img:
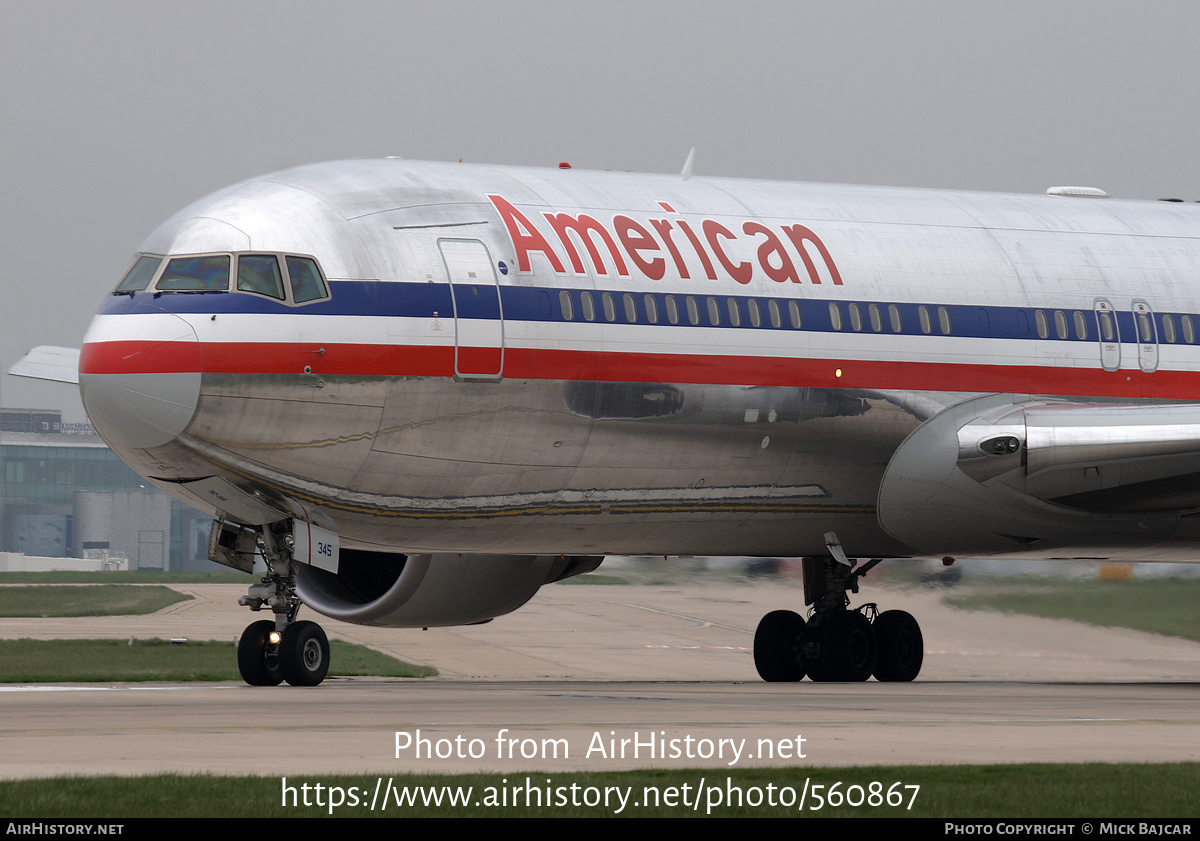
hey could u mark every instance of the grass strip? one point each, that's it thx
(594, 578)
(97, 600)
(1162, 606)
(951, 791)
(115, 661)
(124, 577)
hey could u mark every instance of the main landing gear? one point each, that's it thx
(837, 644)
(271, 652)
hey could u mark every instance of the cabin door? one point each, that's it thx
(1108, 333)
(1146, 335)
(478, 315)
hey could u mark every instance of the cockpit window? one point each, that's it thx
(139, 275)
(307, 283)
(272, 275)
(260, 273)
(195, 274)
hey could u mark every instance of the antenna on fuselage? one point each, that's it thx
(687, 165)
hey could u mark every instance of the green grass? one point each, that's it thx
(125, 577)
(95, 600)
(654, 571)
(954, 791)
(1163, 606)
(107, 661)
(594, 578)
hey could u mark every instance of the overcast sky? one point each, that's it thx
(115, 114)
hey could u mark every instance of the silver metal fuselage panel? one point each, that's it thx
(415, 412)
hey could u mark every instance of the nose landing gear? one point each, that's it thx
(285, 649)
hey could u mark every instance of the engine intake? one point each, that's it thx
(422, 591)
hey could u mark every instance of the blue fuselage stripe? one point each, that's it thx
(423, 300)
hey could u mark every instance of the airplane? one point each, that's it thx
(421, 391)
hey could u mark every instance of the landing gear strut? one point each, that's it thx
(835, 643)
(272, 652)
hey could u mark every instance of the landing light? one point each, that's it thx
(1004, 445)
(275, 637)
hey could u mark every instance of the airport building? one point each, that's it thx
(64, 494)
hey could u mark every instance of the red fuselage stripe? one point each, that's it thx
(130, 357)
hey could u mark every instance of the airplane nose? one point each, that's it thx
(139, 376)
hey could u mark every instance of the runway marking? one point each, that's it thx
(704, 623)
(1048, 655)
(223, 727)
(54, 688)
(701, 647)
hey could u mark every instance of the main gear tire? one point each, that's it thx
(778, 656)
(901, 647)
(847, 648)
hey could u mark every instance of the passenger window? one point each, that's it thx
(773, 309)
(195, 274)
(1043, 327)
(985, 322)
(1107, 332)
(1189, 332)
(587, 305)
(630, 309)
(894, 317)
(1060, 324)
(307, 283)
(564, 303)
(1169, 328)
(876, 319)
(944, 320)
(923, 315)
(692, 310)
(755, 316)
(855, 317)
(794, 312)
(835, 315)
(1145, 327)
(610, 310)
(1081, 331)
(651, 309)
(735, 313)
(714, 312)
(259, 273)
(672, 310)
(139, 275)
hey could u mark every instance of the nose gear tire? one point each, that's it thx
(258, 663)
(304, 654)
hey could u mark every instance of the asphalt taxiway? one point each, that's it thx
(614, 677)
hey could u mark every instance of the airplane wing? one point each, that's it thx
(46, 362)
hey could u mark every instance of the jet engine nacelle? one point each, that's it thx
(422, 591)
(1008, 473)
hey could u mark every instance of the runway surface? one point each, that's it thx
(613, 677)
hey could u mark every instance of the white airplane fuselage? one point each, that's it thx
(517, 361)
